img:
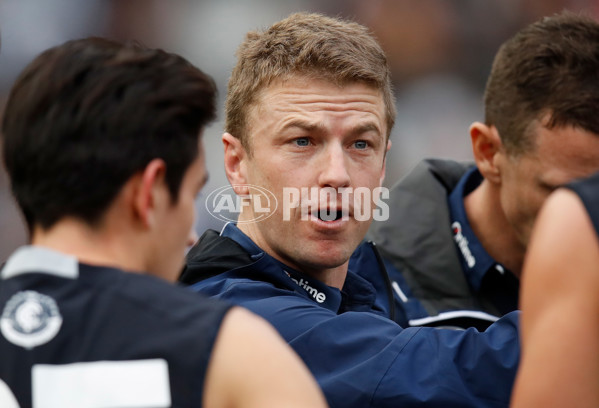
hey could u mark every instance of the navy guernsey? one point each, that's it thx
(73, 334)
(588, 191)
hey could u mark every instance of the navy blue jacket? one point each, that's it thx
(358, 355)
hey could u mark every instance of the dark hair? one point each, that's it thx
(548, 69)
(306, 44)
(85, 116)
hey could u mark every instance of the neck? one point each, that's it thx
(334, 277)
(331, 276)
(491, 227)
(94, 246)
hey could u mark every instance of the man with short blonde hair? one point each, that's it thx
(316, 120)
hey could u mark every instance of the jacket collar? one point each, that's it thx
(476, 261)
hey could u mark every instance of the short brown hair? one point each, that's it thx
(548, 69)
(307, 44)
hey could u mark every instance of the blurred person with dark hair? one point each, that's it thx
(310, 106)
(102, 143)
(457, 233)
(560, 303)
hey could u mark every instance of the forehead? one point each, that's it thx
(299, 94)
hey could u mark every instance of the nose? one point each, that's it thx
(334, 168)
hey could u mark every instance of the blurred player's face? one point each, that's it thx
(307, 133)
(175, 231)
(561, 155)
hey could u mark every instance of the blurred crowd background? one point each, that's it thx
(440, 52)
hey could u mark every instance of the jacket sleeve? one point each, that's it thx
(364, 360)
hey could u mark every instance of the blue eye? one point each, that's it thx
(302, 141)
(361, 144)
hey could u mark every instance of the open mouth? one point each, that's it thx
(329, 215)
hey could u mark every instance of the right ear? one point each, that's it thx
(235, 163)
(486, 148)
(149, 192)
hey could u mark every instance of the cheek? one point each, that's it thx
(369, 178)
(524, 205)
(191, 216)
(186, 219)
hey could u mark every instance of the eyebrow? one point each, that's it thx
(304, 125)
(366, 127)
